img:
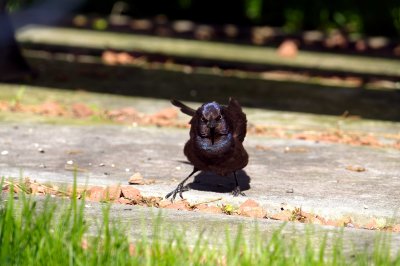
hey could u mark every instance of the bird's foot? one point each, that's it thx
(236, 192)
(179, 189)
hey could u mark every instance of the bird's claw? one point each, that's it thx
(179, 189)
(236, 192)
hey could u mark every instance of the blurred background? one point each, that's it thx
(336, 58)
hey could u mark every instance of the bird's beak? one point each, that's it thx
(212, 133)
(211, 126)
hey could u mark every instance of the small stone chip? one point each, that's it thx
(136, 179)
(4, 152)
(356, 168)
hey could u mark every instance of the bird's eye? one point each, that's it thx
(204, 119)
(218, 117)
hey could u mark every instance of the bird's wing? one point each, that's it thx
(184, 108)
(238, 119)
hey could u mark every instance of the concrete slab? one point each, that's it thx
(297, 173)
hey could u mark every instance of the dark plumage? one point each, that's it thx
(215, 144)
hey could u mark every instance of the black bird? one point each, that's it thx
(215, 144)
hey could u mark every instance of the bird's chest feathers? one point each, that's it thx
(222, 144)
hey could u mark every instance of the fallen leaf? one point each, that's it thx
(295, 150)
(179, 205)
(372, 224)
(262, 148)
(109, 58)
(132, 249)
(396, 228)
(165, 117)
(282, 216)
(84, 244)
(123, 200)
(124, 58)
(51, 108)
(208, 209)
(81, 110)
(228, 209)
(164, 203)
(288, 48)
(332, 223)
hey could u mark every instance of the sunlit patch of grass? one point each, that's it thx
(41, 233)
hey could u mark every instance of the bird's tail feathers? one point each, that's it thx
(184, 108)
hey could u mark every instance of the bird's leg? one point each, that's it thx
(236, 192)
(180, 188)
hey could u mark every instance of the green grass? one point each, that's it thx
(34, 232)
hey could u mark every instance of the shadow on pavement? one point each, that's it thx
(207, 181)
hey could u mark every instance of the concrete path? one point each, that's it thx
(297, 173)
(282, 173)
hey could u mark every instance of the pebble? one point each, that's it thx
(112, 165)
(70, 162)
(4, 152)
(290, 190)
(41, 150)
(102, 164)
(127, 169)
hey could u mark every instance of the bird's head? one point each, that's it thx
(212, 122)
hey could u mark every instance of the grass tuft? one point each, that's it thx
(39, 232)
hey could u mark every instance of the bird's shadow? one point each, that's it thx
(208, 181)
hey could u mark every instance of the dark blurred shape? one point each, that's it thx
(13, 66)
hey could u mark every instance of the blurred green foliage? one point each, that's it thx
(365, 17)
(368, 17)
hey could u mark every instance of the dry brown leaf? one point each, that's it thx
(132, 249)
(282, 216)
(372, 224)
(208, 209)
(288, 48)
(164, 203)
(396, 228)
(179, 205)
(109, 58)
(81, 110)
(123, 200)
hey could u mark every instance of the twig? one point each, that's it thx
(205, 202)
